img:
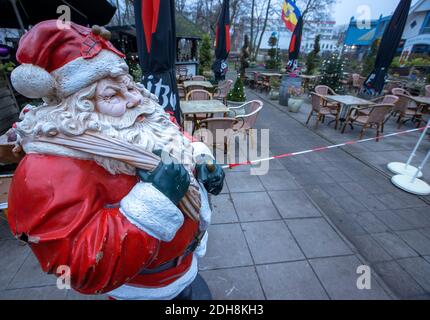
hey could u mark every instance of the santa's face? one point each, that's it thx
(114, 96)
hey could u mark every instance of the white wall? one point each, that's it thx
(413, 32)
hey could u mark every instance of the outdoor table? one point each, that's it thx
(271, 74)
(347, 102)
(205, 84)
(422, 102)
(267, 78)
(195, 107)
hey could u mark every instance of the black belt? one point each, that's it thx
(177, 261)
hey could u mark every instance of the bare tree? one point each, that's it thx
(263, 29)
(252, 26)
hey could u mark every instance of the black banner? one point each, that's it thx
(222, 44)
(387, 50)
(295, 44)
(156, 40)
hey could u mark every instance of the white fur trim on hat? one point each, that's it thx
(80, 73)
(33, 81)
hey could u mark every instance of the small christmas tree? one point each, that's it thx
(237, 94)
(205, 54)
(274, 61)
(332, 72)
(312, 60)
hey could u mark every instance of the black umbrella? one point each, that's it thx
(222, 42)
(295, 44)
(156, 41)
(388, 48)
(20, 14)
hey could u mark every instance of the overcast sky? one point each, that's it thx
(345, 9)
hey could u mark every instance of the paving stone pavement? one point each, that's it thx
(349, 188)
(299, 232)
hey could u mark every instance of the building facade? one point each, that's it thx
(417, 30)
(328, 32)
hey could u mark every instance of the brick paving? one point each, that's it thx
(299, 232)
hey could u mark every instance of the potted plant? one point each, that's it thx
(274, 88)
(295, 100)
(236, 96)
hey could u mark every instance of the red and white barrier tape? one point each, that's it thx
(292, 154)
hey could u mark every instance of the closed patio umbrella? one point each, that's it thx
(222, 42)
(20, 14)
(156, 41)
(387, 50)
(295, 44)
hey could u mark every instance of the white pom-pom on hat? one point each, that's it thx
(33, 81)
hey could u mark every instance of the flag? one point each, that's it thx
(295, 44)
(156, 42)
(290, 14)
(222, 42)
(375, 82)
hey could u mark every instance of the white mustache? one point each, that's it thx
(129, 118)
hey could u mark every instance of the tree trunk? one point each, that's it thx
(262, 30)
(251, 46)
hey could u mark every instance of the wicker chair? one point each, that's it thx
(326, 91)
(198, 78)
(388, 99)
(214, 124)
(195, 87)
(321, 109)
(357, 82)
(198, 94)
(222, 91)
(181, 92)
(258, 82)
(247, 114)
(388, 88)
(397, 91)
(406, 108)
(375, 118)
(347, 81)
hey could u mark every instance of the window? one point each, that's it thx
(426, 25)
(413, 24)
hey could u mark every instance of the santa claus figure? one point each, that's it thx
(109, 187)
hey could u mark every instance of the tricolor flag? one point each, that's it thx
(290, 14)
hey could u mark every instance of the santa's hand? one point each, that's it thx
(171, 179)
(212, 176)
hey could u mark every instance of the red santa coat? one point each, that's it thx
(68, 210)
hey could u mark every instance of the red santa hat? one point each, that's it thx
(59, 61)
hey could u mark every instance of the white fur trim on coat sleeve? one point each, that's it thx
(152, 212)
(201, 152)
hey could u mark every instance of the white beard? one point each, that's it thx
(155, 132)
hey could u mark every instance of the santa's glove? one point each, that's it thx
(211, 176)
(170, 178)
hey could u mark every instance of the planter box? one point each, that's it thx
(234, 103)
(294, 105)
